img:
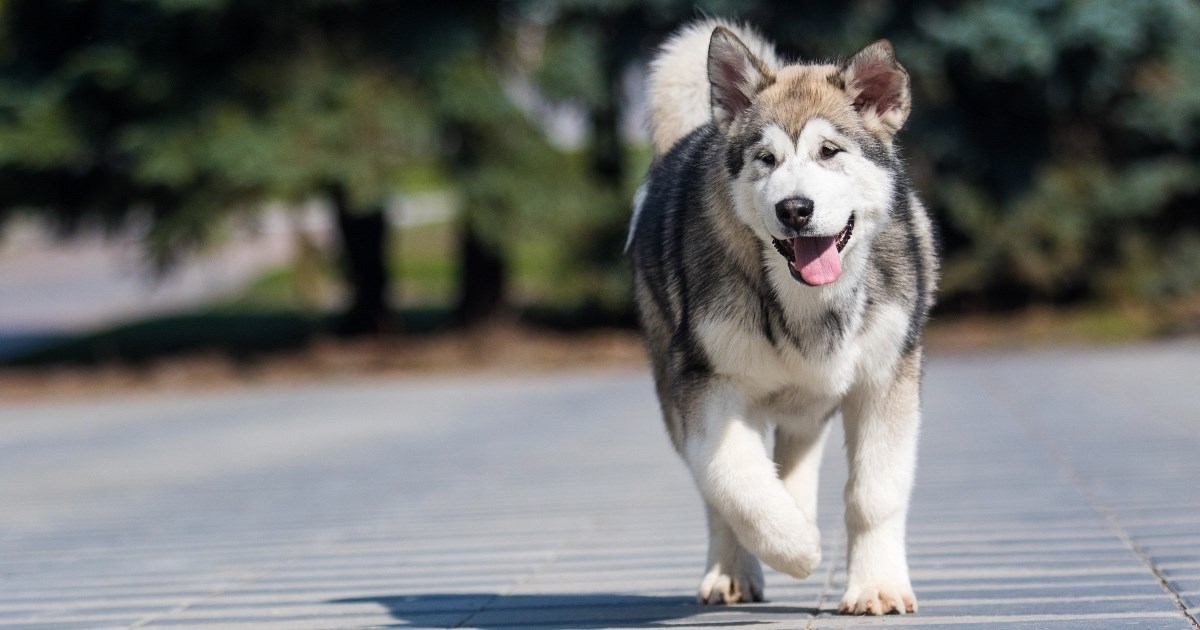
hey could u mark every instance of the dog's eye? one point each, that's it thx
(767, 159)
(828, 151)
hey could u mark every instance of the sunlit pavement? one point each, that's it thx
(1057, 489)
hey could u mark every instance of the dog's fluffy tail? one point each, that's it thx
(679, 90)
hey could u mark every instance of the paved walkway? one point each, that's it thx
(1057, 490)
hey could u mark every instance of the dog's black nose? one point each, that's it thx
(794, 212)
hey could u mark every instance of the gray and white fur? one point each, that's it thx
(784, 270)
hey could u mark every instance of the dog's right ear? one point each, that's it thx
(735, 76)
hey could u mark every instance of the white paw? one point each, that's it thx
(878, 598)
(798, 565)
(796, 555)
(743, 583)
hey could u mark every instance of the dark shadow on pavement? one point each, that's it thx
(244, 335)
(18, 342)
(566, 611)
(237, 335)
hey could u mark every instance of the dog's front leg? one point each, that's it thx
(881, 423)
(727, 454)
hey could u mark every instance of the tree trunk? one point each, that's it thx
(364, 247)
(607, 161)
(482, 278)
(483, 271)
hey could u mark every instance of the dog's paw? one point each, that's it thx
(743, 585)
(798, 565)
(878, 599)
(797, 557)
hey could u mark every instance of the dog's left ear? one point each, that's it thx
(878, 86)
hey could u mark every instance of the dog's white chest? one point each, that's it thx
(760, 368)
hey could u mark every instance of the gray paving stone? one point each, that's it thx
(1041, 589)
(1189, 591)
(1052, 485)
(1050, 605)
(1014, 622)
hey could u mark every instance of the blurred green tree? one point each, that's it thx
(177, 113)
(513, 183)
(1063, 137)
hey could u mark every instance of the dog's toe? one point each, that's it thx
(878, 601)
(724, 588)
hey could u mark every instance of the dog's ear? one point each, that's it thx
(735, 76)
(878, 86)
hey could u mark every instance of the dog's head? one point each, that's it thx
(810, 149)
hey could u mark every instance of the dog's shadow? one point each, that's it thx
(566, 611)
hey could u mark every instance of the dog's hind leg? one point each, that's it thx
(733, 574)
(728, 457)
(798, 452)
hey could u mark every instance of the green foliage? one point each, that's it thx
(183, 111)
(324, 123)
(510, 178)
(37, 131)
(570, 68)
(536, 204)
(1069, 130)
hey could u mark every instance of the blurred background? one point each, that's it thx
(212, 180)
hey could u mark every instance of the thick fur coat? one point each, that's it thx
(784, 270)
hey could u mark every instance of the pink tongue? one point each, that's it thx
(817, 259)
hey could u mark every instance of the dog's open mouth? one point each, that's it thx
(815, 260)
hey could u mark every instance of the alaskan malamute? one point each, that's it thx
(784, 270)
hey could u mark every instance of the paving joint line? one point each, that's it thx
(1110, 516)
(827, 587)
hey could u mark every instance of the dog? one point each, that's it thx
(784, 270)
